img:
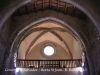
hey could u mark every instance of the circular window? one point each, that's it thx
(48, 50)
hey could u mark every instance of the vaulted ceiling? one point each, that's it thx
(52, 33)
(48, 32)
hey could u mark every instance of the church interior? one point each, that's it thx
(48, 37)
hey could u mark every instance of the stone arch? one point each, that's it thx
(77, 4)
(64, 24)
(16, 46)
(20, 3)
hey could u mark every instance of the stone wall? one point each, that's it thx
(4, 50)
(5, 30)
(2, 53)
(94, 52)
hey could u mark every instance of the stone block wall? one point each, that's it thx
(5, 30)
(94, 52)
(2, 53)
(4, 43)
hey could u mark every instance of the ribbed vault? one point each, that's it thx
(88, 7)
(49, 31)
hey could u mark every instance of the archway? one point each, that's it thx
(2, 21)
(18, 4)
(27, 31)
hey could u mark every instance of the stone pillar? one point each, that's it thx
(2, 53)
(94, 52)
